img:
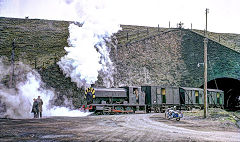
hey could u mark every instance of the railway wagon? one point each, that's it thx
(194, 98)
(159, 98)
(118, 100)
(191, 98)
(215, 98)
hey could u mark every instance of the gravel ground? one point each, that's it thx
(133, 127)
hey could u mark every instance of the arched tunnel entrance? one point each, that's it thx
(231, 88)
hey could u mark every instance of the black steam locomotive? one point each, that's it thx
(145, 99)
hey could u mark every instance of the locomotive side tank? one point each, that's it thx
(110, 95)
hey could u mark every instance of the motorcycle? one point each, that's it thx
(171, 114)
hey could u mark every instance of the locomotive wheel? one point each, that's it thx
(162, 110)
(98, 113)
(189, 108)
(156, 110)
(106, 113)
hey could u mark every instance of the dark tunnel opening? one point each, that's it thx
(231, 88)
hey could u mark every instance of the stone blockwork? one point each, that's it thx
(223, 62)
(171, 58)
(151, 61)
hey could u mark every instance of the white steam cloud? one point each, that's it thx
(17, 102)
(88, 53)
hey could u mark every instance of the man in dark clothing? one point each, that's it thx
(35, 108)
(40, 103)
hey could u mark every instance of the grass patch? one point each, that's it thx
(215, 114)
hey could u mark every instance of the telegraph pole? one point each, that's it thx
(205, 69)
(11, 83)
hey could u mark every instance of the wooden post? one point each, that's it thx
(205, 70)
(158, 27)
(191, 26)
(35, 63)
(127, 36)
(205, 77)
(55, 58)
(11, 82)
(169, 24)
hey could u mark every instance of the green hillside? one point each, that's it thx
(35, 39)
(227, 39)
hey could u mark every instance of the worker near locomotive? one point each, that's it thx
(146, 99)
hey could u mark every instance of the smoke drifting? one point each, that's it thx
(17, 103)
(88, 53)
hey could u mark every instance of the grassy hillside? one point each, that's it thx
(35, 39)
(131, 33)
(227, 39)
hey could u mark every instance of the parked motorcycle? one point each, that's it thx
(171, 113)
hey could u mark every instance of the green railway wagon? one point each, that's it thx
(215, 98)
(194, 98)
(158, 98)
(191, 97)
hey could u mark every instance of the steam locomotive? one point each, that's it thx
(145, 99)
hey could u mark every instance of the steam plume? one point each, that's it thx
(88, 53)
(17, 103)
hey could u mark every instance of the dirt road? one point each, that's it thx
(134, 127)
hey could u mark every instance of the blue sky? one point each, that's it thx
(223, 15)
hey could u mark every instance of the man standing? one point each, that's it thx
(35, 108)
(40, 103)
